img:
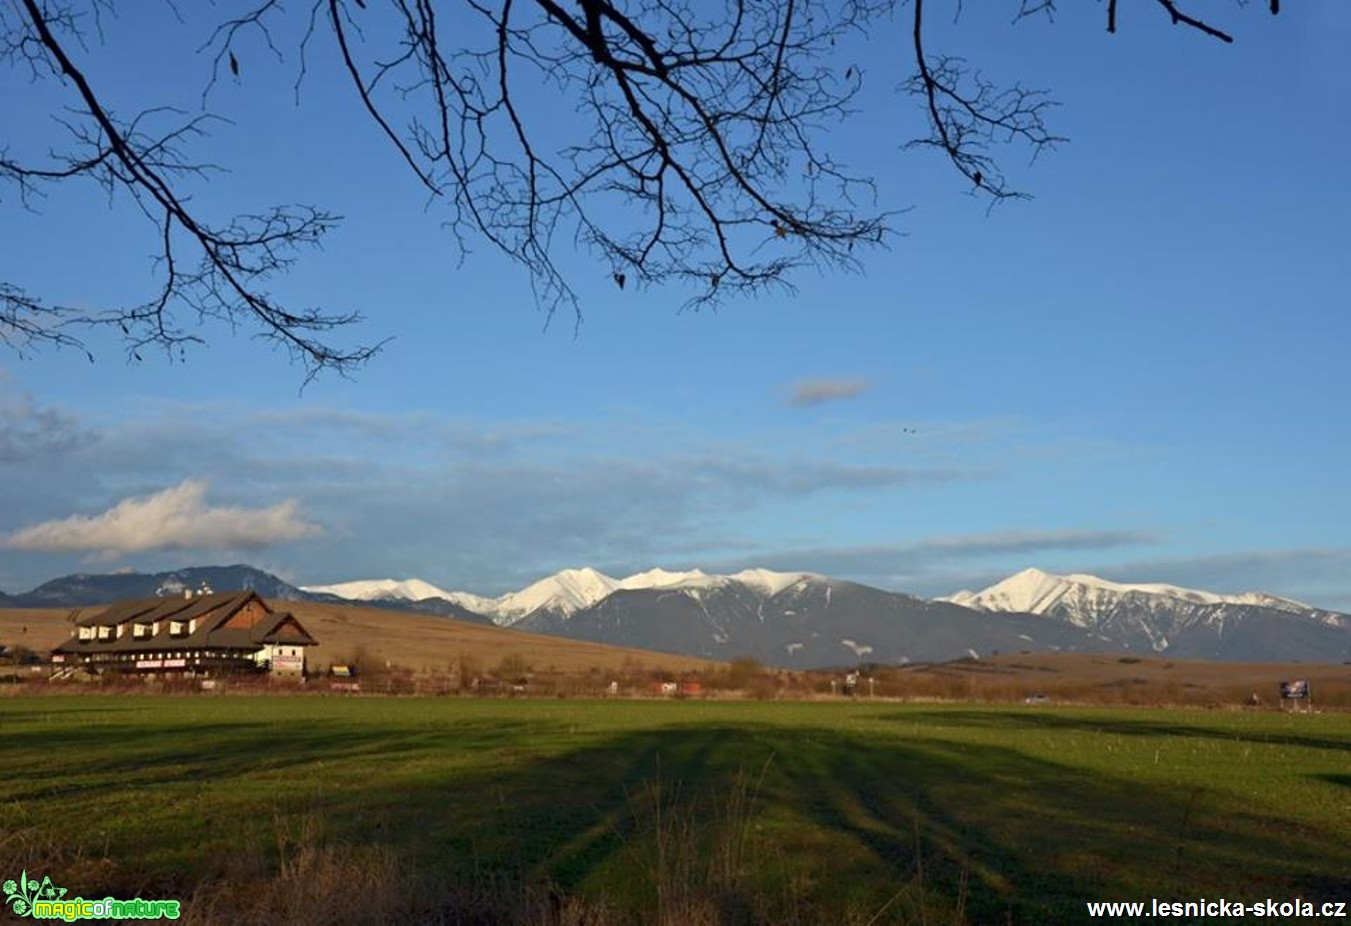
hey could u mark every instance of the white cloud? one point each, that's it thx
(174, 519)
(816, 391)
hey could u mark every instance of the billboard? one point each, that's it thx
(1295, 690)
(282, 663)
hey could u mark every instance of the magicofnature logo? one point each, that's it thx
(21, 895)
(40, 899)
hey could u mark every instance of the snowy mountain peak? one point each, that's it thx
(372, 589)
(583, 578)
(768, 582)
(567, 592)
(1036, 592)
(1031, 591)
(398, 590)
(661, 578)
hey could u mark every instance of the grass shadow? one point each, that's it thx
(842, 824)
(1038, 719)
(988, 829)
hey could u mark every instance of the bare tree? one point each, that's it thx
(699, 154)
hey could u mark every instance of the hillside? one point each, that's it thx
(431, 642)
(412, 640)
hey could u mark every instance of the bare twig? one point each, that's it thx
(232, 259)
(695, 148)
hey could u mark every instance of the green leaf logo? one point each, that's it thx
(21, 896)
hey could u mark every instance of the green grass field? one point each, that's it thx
(682, 812)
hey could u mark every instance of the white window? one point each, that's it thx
(140, 631)
(86, 633)
(105, 632)
(176, 629)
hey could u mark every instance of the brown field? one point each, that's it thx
(39, 629)
(423, 642)
(412, 641)
(1113, 679)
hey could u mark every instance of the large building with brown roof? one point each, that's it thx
(205, 634)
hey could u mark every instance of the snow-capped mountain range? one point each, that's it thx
(561, 594)
(1156, 616)
(800, 618)
(1079, 597)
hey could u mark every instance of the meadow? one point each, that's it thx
(371, 810)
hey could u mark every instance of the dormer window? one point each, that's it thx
(140, 631)
(178, 629)
(105, 632)
(86, 633)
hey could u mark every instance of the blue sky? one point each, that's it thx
(1140, 373)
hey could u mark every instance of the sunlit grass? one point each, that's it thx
(786, 812)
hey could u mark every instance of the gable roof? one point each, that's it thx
(283, 628)
(211, 612)
(147, 610)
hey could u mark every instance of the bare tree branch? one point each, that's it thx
(27, 323)
(968, 114)
(1181, 18)
(703, 121)
(233, 259)
(696, 153)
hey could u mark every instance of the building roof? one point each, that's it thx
(163, 609)
(283, 628)
(211, 612)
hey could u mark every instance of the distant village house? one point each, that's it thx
(197, 634)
